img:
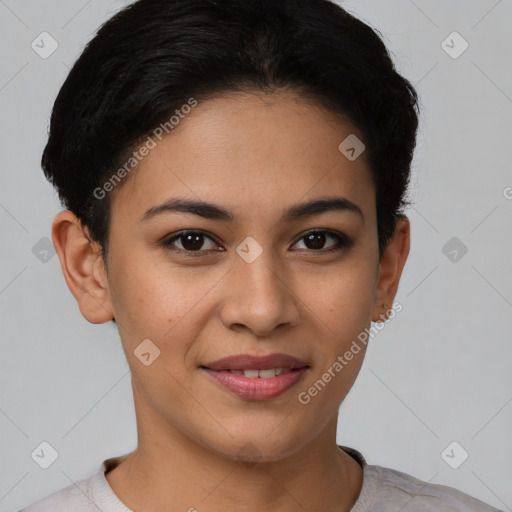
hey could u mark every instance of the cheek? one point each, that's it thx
(139, 299)
(158, 302)
(342, 298)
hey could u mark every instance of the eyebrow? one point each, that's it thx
(215, 212)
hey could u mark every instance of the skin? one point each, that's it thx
(256, 155)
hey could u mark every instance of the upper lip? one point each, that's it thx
(250, 362)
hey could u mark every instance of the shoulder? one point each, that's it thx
(61, 501)
(81, 496)
(90, 494)
(389, 490)
(402, 489)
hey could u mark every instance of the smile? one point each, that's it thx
(262, 374)
(257, 384)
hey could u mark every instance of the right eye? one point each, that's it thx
(191, 242)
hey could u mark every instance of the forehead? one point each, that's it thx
(250, 151)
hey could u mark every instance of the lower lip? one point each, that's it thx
(256, 388)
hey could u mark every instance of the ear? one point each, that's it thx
(83, 267)
(390, 269)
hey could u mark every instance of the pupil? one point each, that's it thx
(319, 238)
(196, 239)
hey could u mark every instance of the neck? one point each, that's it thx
(171, 471)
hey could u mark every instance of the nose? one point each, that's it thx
(259, 297)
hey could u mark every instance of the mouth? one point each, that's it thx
(258, 373)
(279, 363)
(257, 377)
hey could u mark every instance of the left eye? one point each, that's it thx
(193, 241)
(317, 238)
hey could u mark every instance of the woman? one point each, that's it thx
(234, 176)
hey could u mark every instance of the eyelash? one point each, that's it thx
(343, 242)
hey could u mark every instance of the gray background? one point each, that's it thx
(438, 372)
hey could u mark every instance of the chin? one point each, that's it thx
(257, 448)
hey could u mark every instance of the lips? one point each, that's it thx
(248, 362)
(257, 377)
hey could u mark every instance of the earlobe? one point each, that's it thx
(83, 267)
(390, 269)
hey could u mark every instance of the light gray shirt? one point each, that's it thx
(383, 490)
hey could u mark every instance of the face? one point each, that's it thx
(258, 284)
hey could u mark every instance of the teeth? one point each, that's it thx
(263, 374)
